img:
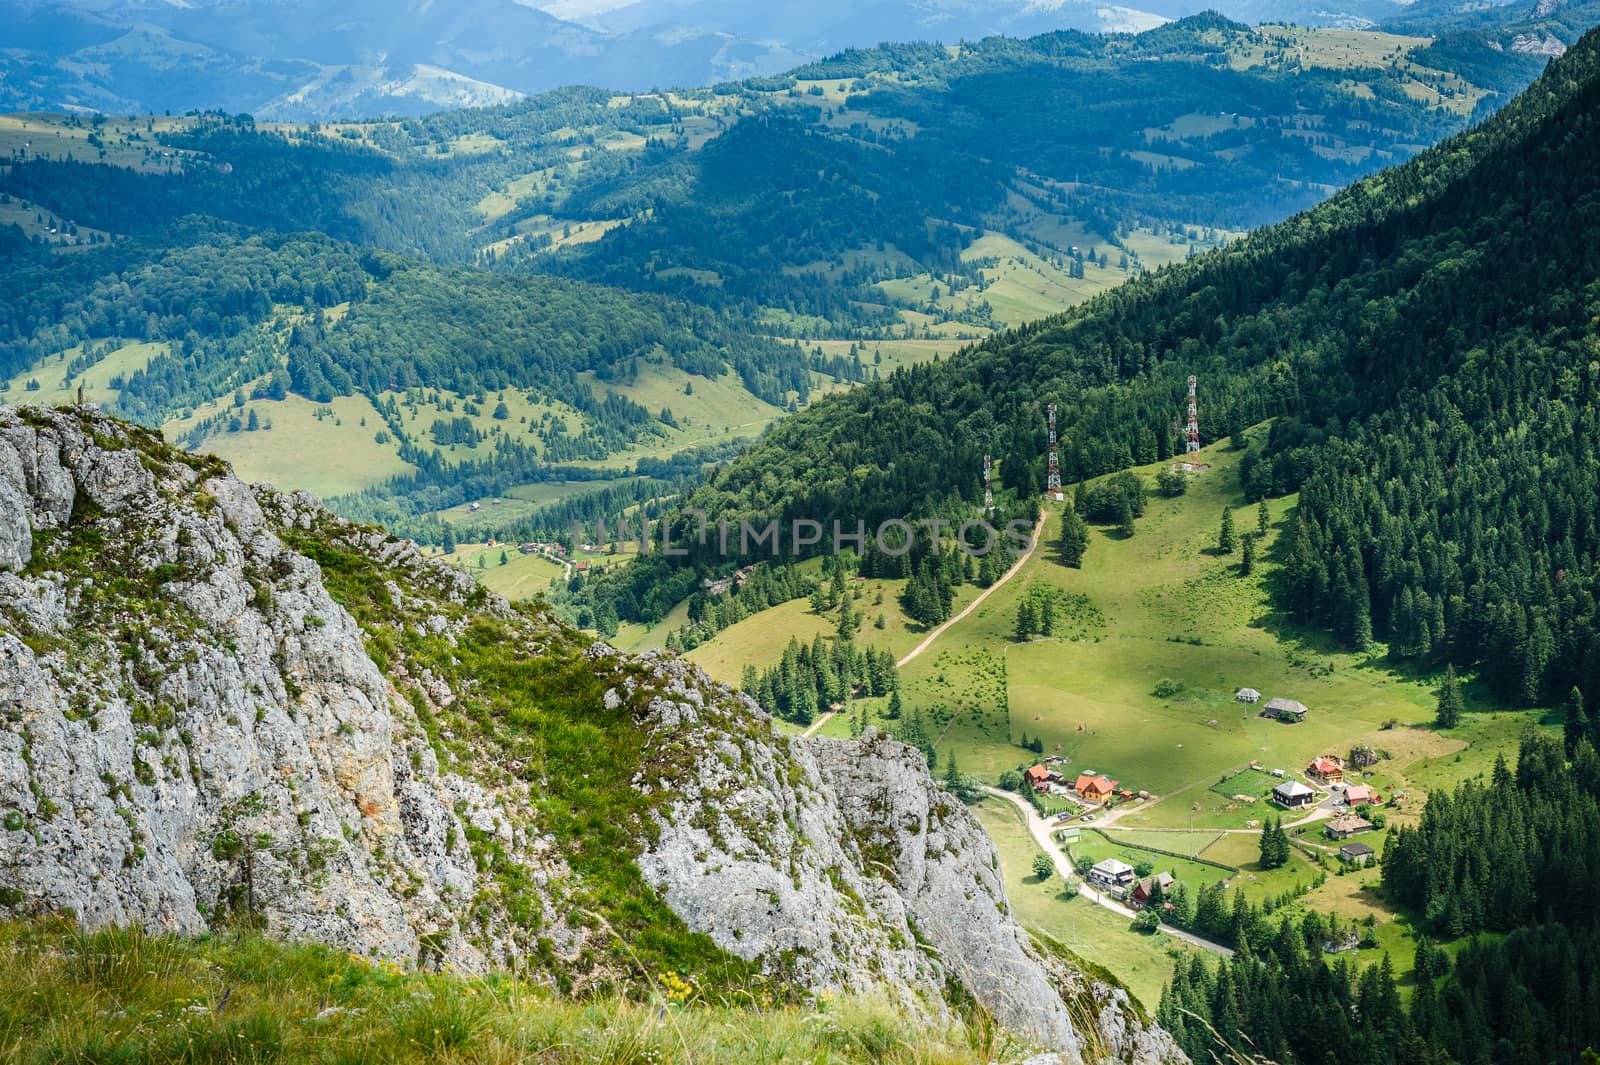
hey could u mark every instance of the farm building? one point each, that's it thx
(1095, 789)
(1292, 795)
(1346, 825)
(1326, 769)
(1146, 889)
(1286, 710)
(1112, 873)
(1038, 776)
(1359, 853)
(1247, 695)
(1357, 794)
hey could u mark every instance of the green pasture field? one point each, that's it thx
(57, 387)
(1176, 611)
(1142, 962)
(328, 455)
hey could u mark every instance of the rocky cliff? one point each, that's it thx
(221, 703)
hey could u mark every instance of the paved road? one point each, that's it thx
(1040, 829)
(1038, 538)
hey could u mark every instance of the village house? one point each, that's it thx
(1247, 695)
(1357, 853)
(1362, 794)
(1113, 874)
(1325, 770)
(1146, 889)
(1346, 825)
(1095, 789)
(1293, 795)
(1286, 710)
(1039, 777)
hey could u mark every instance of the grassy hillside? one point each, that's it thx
(1143, 963)
(1139, 683)
(121, 995)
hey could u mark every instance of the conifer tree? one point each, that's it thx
(1027, 618)
(1263, 518)
(1576, 724)
(1124, 512)
(1227, 539)
(1274, 845)
(1448, 713)
(1247, 556)
(1074, 538)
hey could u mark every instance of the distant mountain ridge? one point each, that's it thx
(317, 59)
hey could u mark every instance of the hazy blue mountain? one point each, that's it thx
(322, 58)
(300, 59)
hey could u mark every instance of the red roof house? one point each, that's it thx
(1095, 789)
(1326, 769)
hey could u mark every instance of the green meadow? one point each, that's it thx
(1159, 631)
(1143, 963)
(1165, 612)
(327, 449)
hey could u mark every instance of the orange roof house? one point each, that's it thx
(1038, 776)
(1095, 789)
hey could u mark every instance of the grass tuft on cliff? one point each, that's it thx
(120, 995)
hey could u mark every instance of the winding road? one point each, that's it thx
(1040, 829)
(927, 641)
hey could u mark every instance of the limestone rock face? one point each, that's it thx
(1538, 44)
(192, 725)
(227, 742)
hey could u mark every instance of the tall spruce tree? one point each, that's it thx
(1576, 725)
(1227, 539)
(1074, 537)
(1448, 712)
(1027, 618)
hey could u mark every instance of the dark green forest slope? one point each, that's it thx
(1426, 341)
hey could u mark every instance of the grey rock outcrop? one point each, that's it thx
(1547, 44)
(192, 725)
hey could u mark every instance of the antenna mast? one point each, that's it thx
(988, 484)
(1053, 480)
(1192, 447)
